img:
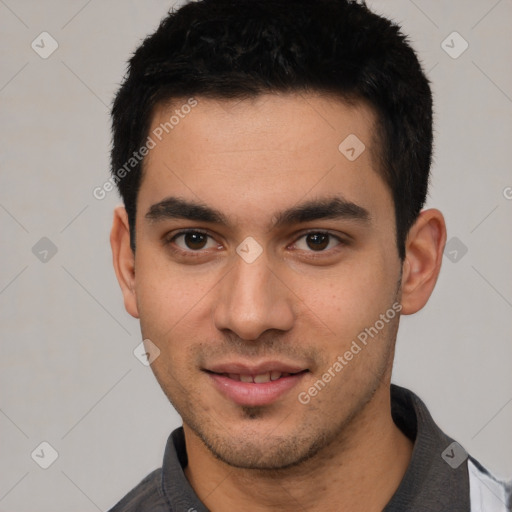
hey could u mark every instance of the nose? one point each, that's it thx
(252, 299)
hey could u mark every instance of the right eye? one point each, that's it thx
(191, 241)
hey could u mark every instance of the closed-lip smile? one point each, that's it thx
(255, 384)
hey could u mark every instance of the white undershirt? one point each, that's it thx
(486, 493)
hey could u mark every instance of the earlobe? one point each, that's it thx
(424, 253)
(124, 259)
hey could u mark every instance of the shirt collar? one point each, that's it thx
(430, 483)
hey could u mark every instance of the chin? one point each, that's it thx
(257, 449)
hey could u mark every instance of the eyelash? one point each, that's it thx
(168, 241)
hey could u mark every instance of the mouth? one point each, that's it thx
(255, 386)
(259, 378)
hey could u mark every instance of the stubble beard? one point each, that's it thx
(269, 452)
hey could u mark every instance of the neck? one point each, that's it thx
(359, 471)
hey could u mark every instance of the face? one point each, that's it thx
(264, 254)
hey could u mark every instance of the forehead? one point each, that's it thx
(269, 122)
(274, 149)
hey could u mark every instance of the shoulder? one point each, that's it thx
(146, 496)
(488, 493)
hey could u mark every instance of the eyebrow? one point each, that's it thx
(327, 208)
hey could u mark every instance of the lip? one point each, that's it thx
(253, 393)
(255, 369)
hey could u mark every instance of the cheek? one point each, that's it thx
(349, 298)
(174, 367)
(166, 295)
(174, 307)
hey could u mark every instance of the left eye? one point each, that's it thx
(317, 241)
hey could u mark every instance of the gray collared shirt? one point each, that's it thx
(441, 477)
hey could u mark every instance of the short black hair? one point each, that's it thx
(226, 49)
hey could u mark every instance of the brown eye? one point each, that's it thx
(317, 241)
(193, 241)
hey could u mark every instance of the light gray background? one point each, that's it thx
(68, 375)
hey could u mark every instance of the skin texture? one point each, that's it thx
(202, 304)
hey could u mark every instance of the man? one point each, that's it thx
(273, 158)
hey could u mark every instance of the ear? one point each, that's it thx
(424, 253)
(124, 259)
